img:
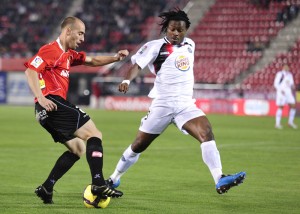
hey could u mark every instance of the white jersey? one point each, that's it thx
(172, 65)
(284, 81)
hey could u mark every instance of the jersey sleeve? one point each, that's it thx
(276, 83)
(145, 55)
(42, 59)
(78, 58)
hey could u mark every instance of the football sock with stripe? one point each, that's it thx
(292, 114)
(211, 158)
(128, 158)
(62, 165)
(278, 116)
(94, 156)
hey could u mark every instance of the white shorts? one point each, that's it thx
(162, 113)
(283, 99)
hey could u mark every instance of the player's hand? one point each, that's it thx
(47, 104)
(123, 87)
(122, 54)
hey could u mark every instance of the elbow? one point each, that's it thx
(27, 72)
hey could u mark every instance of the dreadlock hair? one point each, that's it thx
(177, 15)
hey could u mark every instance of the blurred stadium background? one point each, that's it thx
(240, 45)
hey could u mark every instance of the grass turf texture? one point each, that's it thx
(170, 176)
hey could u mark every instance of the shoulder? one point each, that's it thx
(151, 46)
(73, 52)
(50, 49)
(155, 43)
(190, 41)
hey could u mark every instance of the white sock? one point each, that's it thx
(292, 115)
(278, 116)
(128, 158)
(211, 158)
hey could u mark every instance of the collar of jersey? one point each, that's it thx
(181, 44)
(59, 44)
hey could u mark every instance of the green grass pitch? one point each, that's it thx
(170, 177)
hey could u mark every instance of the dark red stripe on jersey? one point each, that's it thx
(165, 51)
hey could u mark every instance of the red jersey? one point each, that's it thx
(53, 64)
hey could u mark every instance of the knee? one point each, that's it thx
(94, 134)
(206, 134)
(77, 147)
(81, 151)
(140, 144)
(137, 146)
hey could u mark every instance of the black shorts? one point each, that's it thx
(63, 122)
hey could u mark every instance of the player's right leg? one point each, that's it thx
(94, 156)
(152, 125)
(278, 118)
(130, 156)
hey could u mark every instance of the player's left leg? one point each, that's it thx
(292, 114)
(281, 101)
(200, 128)
(76, 148)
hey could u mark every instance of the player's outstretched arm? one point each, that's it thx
(104, 60)
(132, 73)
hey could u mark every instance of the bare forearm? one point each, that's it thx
(33, 82)
(133, 72)
(105, 60)
(100, 60)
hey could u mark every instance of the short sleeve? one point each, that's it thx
(145, 55)
(78, 58)
(42, 59)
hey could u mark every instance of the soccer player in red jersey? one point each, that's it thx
(48, 77)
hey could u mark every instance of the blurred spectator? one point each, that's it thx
(288, 13)
(25, 25)
(116, 22)
(256, 44)
(261, 3)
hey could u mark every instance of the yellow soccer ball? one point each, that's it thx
(94, 201)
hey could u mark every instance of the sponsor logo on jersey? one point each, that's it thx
(164, 53)
(182, 63)
(64, 73)
(143, 49)
(36, 62)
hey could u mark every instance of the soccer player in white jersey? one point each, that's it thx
(171, 59)
(285, 86)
